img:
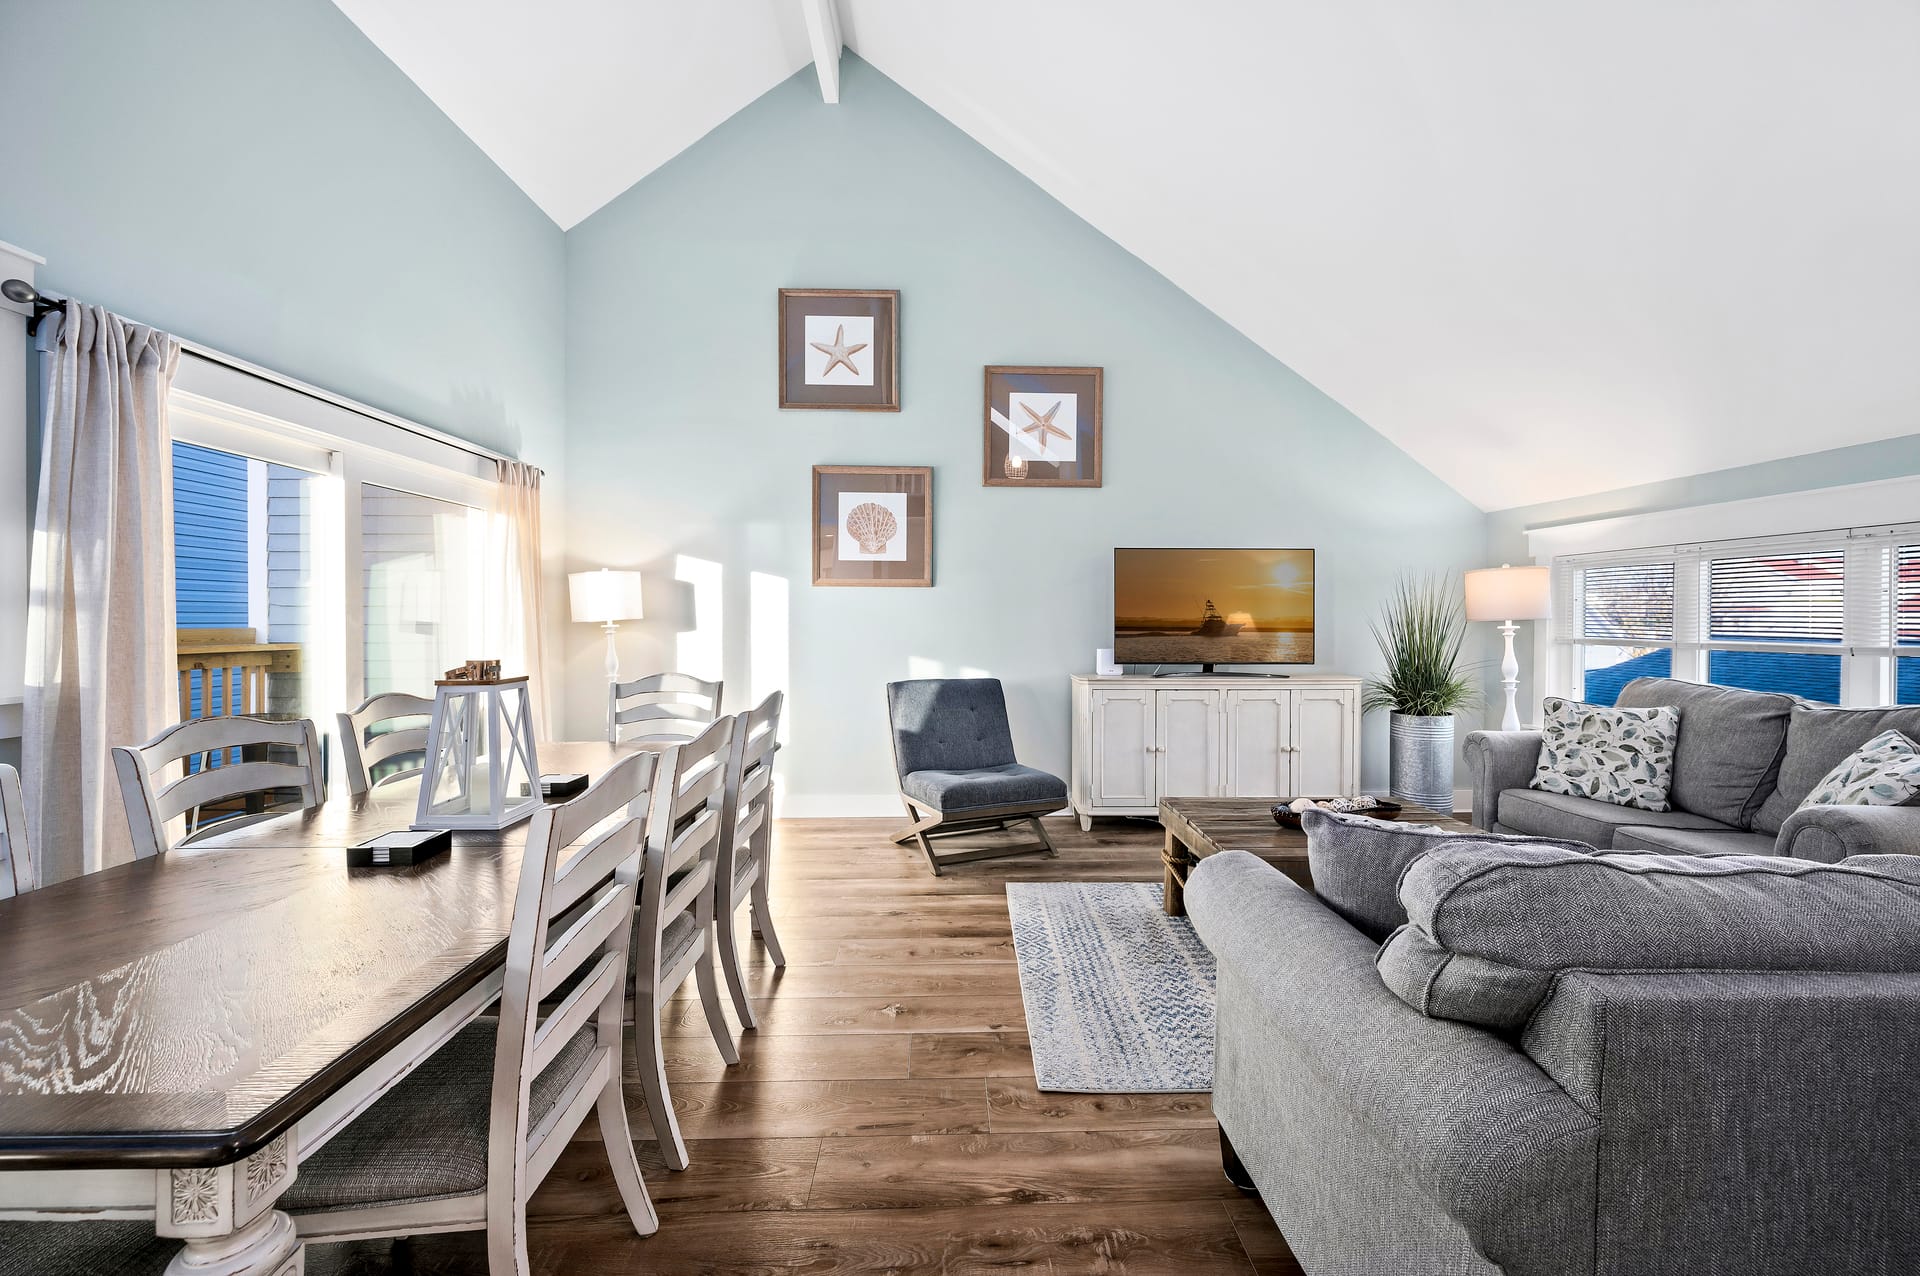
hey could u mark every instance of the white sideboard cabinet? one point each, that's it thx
(1139, 739)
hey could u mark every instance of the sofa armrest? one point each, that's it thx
(1758, 1122)
(1337, 1093)
(1833, 833)
(1498, 761)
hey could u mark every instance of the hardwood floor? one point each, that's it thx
(884, 1118)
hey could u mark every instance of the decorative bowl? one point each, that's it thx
(1290, 819)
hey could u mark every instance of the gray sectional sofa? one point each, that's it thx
(1504, 1055)
(1744, 762)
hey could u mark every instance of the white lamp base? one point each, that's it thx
(613, 652)
(1510, 677)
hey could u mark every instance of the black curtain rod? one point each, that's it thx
(22, 293)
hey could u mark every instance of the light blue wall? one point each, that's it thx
(260, 178)
(1861, 463)
(676, 447)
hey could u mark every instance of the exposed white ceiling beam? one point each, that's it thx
(823, 31)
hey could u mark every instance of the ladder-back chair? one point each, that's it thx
(201, 750)
(405, 748)
(661, 707)
(743, 866)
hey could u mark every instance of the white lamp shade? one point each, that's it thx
(1509, 593)
(605, 595)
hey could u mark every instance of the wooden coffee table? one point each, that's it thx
(1198, 827)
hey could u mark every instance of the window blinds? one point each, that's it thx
(1777, 598)
(1627, 602)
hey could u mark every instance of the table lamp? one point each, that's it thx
(1509, 595)
(606, 598)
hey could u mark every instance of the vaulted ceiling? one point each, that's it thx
(1547, 249)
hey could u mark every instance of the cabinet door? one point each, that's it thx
(1190, 738)
(1123, 747)
(1260, 744)
(1325, 744)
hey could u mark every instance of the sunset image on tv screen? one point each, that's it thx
(1213, 606)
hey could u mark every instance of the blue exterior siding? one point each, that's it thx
(1809, 676)
(209, 538)
(209, 549)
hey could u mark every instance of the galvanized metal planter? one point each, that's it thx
(1421, 761)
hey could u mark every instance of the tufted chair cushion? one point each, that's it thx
(949, 724)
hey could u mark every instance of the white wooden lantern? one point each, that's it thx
(482, 771)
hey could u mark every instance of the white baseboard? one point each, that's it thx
(836, 806)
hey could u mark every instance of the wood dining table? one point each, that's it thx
(177, 1034)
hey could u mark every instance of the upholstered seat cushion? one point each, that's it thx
(1012, 785)
(426, 1140)
(91, 1248)
(1693, 841)
(1490, 927)
(1730, 745)
(1356, 863)
(1582, 819)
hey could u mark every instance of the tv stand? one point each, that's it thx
(1137, 739)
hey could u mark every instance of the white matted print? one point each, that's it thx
(1043, 427)
(839, 350)
(873, 527)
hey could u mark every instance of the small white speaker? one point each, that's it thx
(1103, 662)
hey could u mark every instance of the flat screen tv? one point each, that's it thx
(1213, 607)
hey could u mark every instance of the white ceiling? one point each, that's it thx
(576, 100)
(1548, 249)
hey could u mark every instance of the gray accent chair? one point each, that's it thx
(1744, 762)
(953, 753)
(1699, 1122)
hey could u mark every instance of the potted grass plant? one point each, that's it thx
(1421, 631)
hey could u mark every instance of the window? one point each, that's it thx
(1829, 617)
(323, 554)
(1621, 626)
(242, 583)
(421, 560)
(1906, 623)
(1767, 615)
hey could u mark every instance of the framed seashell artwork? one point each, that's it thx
(873, 525)
(1043, 427)
(840, 349)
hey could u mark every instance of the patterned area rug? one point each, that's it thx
(1119, 995)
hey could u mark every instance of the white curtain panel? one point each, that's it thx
(100, 615)
(515, 568)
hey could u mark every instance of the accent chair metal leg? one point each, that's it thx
(1040, 831)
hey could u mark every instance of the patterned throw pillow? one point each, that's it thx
(1885, 771)
(1622, 756)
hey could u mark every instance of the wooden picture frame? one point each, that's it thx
(839, 349)
(873, 525)
(1023, 427)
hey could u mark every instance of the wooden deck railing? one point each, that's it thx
(235, 661)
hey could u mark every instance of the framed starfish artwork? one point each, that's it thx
(873, 525)
(840, 349)
(1043, 427)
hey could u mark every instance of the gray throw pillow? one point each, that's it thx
(1620, 756)
(1356, 863)
(1490, 927)
(1885, 771)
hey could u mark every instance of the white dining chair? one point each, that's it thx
(661, 707)
(202, 750)
(742, 872)
(17, 872)
(674, 925)
(462, 1143)
(402, 747)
